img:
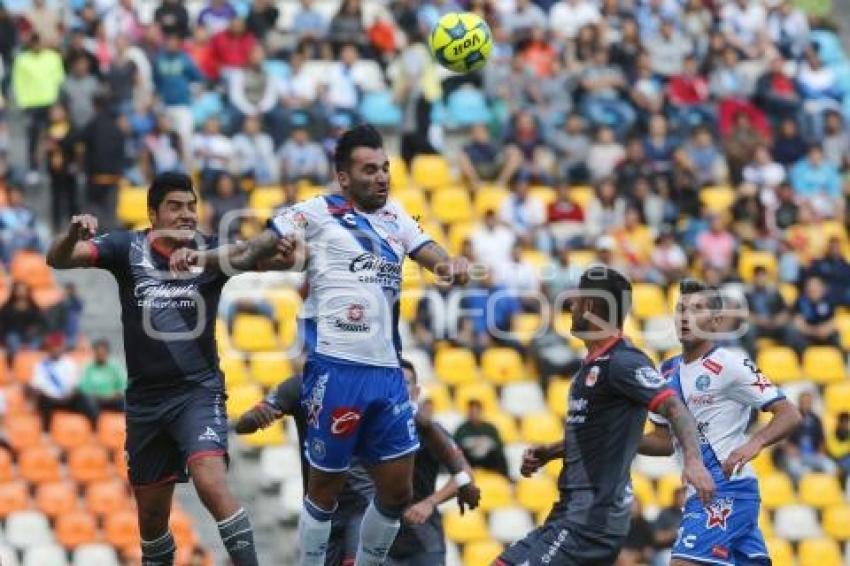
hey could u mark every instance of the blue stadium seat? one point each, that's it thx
(829, 46)
(207, 105)
(379, 109)
(277, 68)
(467, 106)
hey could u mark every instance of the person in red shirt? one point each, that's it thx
(539, 54)
(232, 47)
(777, 93)
(689, 95)
(565, 219)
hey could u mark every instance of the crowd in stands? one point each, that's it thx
(661, 137)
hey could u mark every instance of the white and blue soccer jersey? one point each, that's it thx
(720, 389)
(353, 391)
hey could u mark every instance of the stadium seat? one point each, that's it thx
(643, 490)
(523, 398)
(819, 490)
(276, 465)
(536, 493)
(95, 553)
(106, 496)
(553, 468)
(648, 301)
(748, 260)
(24, 364)
(44, 555)
(454, 366)
(557, 396)
(9, 556)
(182, 528)
(842, 324)
(70, 430)
(481, 552)
(763, 463)
(659, 333)
(459, 232)
(779, 364)
(717, 199)
(14, 496)
(243, 398)
(121, 528)
(582, 195)
(31, 268)
(489, 197)
(379, 109)
(543, 193)
(509, 523)
(541, 428)
(824, 364)
(253, 333)
(502, 365)
(430, 171)
(667, 486)
(513, 455)
(796, 522)
(111, 430)
(505, 424)
(409, 302)
(7, 466)
(291, 499)
(496, 490)
(306, 191)
(480, 390)
(132, 205)
(39, 463)
(413, 202)
(462, 529)
(28, 528)
(75, 528)
(56, 498)
(465, 107)
(88, 463)
(819, 552)
(270, 369)
(264, 200)
(526, 326)
(765, 523)
(269, 436)
(451, 204)
(439, 396)
(399, 178)
(836, 521)
(780, 551)
(776, 490)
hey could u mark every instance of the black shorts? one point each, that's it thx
(164, 434)
(562, 543)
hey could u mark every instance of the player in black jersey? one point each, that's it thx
(176, 418)
(420, 542)
(609, 399)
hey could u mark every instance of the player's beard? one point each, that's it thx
(365, 197)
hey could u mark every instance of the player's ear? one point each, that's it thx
(152, 216)
(343, 178)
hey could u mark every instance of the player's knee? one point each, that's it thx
(153, 521)
(399, 497)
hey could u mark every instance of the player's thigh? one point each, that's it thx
(563, 544)
(198, 424)
(711, 535)
(153, 458)
(388, 430)
(394, 480)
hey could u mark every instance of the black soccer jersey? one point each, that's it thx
(169, 321)
(609, 399)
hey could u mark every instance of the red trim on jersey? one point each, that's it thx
(158, 247)
(204, 454)
(95, 252)
(660, 398)
(601, 349)
(500, 562)
(712, 366)
(166, 480)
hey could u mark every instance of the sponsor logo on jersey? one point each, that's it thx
(712, 366)
(209, 434)
(349, 219)
(720, 551)
(762, 383)
(299, 220)
(313, 405)
(703, 382)
(718, 513)
(344, 421)
(592, 376)
(700, 401)
(578, 410)
(353, 319)
(317, 449)
(649, 377)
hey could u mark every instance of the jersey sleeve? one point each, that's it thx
(667, 368)
(410, 233)
(300, 219)
(748, 385)
(111, 250)
(634, 376)
(287, 395)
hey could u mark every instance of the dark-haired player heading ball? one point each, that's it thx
(609, 399)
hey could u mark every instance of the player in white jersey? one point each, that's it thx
(353, 390)
(720, 387)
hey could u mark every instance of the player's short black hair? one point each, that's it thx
(617, 287)
(690, 286)
(165, 183)
(405, 364)
(363, 135)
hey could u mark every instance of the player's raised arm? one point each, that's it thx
(659, 442)
(74, 247)
(437, 260)
(462, 484)
(266, 251)
(278, 403)
(536, 457)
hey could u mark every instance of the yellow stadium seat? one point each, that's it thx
(408, 303)
(842, 323)
(481, 552)
(413, 202)
(789, 293)
(435, 231)
(264, 200)
(480, 390)
(458, 232)
(536, 493)
(819, 552)
(718, 198)
(454, 366)
(779, 364)
(496, 490)
(824, 364)
(253, 333)
(765, 524)
(582, 195)
(557, 396)
(582, 258)
(270, 369)
(235, 371)
(536, 259)
(553, 468)
(648, 301)
(544, 194)
(750, 259)
(399, 178)
(526, 326)
(430, 171)
(269, 436)
(780, 551)
(505, 424)
(667, 486)
(242, 398)
(763, 463)
(643, 490)
(819, 490)
(286, 302)
(133, 205)
(308, 191)
(836, 521)
(776, 490)
(489, 197)
(469, 527)
(502, 365)
(837, 397)
(452, 204)
(439, 396)
(541, 428)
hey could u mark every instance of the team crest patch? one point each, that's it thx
(317, 449)
(299, 220)
(703, 382)
(718, 512)
(712, 366)
(592, 376)
(649, 377)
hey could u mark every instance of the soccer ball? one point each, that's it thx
(461, 42)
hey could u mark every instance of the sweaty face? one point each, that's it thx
(177, 216)
(367, 181)
(694, 320)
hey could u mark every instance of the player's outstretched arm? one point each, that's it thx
(265, 251)
(536, 457)
(684, 427)
(786, 418)
(73, 249)
(260, 416)
(656, 443)
(462, 484)
(435, 259)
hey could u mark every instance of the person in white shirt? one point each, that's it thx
(521, 279)
(343, 81)
(743, 22)
(764, 172)
(492, 242)
(212, 152)
(566, 17)
(253, 152)
(525, 213)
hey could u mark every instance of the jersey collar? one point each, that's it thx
(600, 350)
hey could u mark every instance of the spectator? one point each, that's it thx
(659, 145)
(777, 93)
(763, 171)
(253, 91)
(565, 219)
(707, 158)
(523, 212)
(480, 441)
(571, 145)
(834, 270)
(539, 54)
(162, 149)
(23, 323)
(749, 221)
(668, 49)
(104, 162)
(345, 81)
(566, 17)
(491, 310)
(819, 182)
(666, 526)
(124, 74)
(624, 54)
(481, 159)
(216, 16)
(520, 278)
(66, 316)
(639, 544)
(740, 145)
(605, 212)
(437, 317)
(820, 91)
(212, 152)
(78, 93)
(346, 27)
(716, 246)
(814, 317)
(174, 72)
(526, 16)
(233, 48)
(789, 146)
(602, 104)
(563, 276)
(727, 80)
(785, 210)
(688, 94)
(838, 442)
(668, 258)
(836, 142)
(104, 380)
(788, 28)
(632, 167)
(492, 241)
(226, 208)
(253, 153)
(769, 315)
(172, 18)
(805, 450)
(604, 155)
(635, 243)
(55, 383)
(36, 78)
(743, 22)
(262, 23)
(647, 94)
(61, 166)
(46, 23)
(309, 22)
(302, 158)
(121, 20)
